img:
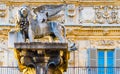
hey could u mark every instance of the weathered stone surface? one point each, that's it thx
(41, 46)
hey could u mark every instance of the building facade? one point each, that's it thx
(94, 25)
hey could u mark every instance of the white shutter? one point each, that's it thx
(92, 60)
(117, 57)
(92, 57)
(117, 60)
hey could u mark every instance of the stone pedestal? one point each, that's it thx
(42, 57)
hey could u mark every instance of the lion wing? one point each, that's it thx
(52, 10)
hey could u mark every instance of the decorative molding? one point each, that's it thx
(3, 44)
(3, 10)
(71, 10)
(12, 16)
(96, 0)
(80, 8)
(71, 13)
(106, 14)
(3, 7)
(106, 43)
(2, 14)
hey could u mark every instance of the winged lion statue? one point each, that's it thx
(39, 27)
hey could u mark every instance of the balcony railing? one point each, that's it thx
(9, 70)
(71, 70)
(93, 70)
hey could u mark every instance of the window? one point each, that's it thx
(105, 61)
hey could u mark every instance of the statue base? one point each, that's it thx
(42, 57)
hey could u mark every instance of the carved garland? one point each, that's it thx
(106, 14)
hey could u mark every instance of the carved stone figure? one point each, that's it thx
(23, 21)
(41, 27)
(37, 28)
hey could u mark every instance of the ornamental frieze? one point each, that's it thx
(106, 14)
(73, 14)
(104, 44)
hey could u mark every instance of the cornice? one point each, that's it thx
(77, 33)
(77, 2)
